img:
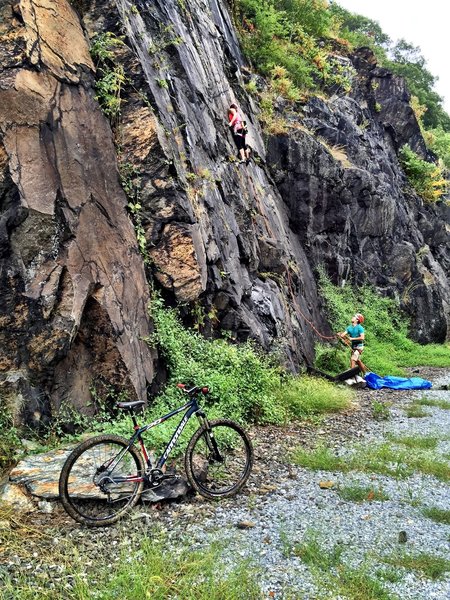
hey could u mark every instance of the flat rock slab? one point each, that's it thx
(39, 473)
(38, 476)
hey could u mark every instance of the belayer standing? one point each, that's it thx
(239, 131)
(355, 334)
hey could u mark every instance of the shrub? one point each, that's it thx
(10, 440)
(426, 178)
(245, 385)
(240, 379)
(388, 348)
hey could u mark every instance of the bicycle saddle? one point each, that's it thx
(130, 405)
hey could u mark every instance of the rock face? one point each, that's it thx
(241, 241)
(74, 292)
(350, 204)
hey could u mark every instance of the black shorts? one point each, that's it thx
(239, 141)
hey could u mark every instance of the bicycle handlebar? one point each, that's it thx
(197, 389)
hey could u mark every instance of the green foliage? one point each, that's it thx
(330, 572)
(360, 30)
(240, 379)
(103, 46)
(245, 385)
(145, 567)
(304, 397)
(439, 515)
(130, 180)
(111, 76)
(380, 411)
(387, 349)
(442, 404)
(10, 442)
(410, 441)
(286, 33)
(426, 178)
(438, 141)
(358, 493)
(301, 36)
(429, 565)
(312, 553)
(414, 411)
(406, 60)
(383, 458)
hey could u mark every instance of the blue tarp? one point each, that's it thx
(375, 382)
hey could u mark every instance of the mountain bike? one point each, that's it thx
(104, 476)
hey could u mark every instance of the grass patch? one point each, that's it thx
(415, 411)
(320, 458)
(358, 493)
(389, 574)
(431, 566)
(312, 553)
(330, 572)
(439, 515)
(380, 411)
(305, 396)
(388, 349)
(152, 569)
(410, 441)
(383, 458)
(443, 404)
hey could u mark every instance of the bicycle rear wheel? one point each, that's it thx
(99, 481)
(219, 459)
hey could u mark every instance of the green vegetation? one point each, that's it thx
(10, 442)
(383, 458)
(442, 404)
(439, 515)
(415, 411)
(304, 397)
(426, 178)
(152, 568)
(380, 411)
(389, 574)
(110, 74)
(295, 44)
(388, 349)
(410, 441)
(312, 553)
(330, 572)
(243, 383)
(358, 493)
(286, 34)
(433, 567)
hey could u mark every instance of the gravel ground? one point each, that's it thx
(283, 503)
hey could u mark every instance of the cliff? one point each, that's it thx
(240, 243)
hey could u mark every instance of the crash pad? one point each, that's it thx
(376, 382)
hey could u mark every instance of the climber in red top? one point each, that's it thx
(239, 130)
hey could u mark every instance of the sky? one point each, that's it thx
(422, 23)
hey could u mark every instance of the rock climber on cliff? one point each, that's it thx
(355, 334)
(239, 131)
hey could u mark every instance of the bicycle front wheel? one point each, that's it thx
(100, 480)
(219, 459)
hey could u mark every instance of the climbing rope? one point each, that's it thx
(297, 306)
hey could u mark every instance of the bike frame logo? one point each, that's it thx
(175, 436)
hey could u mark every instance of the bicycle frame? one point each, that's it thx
(191, 408)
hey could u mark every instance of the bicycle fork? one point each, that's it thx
(209, 437)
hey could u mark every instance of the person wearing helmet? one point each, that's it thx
(355, 334)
